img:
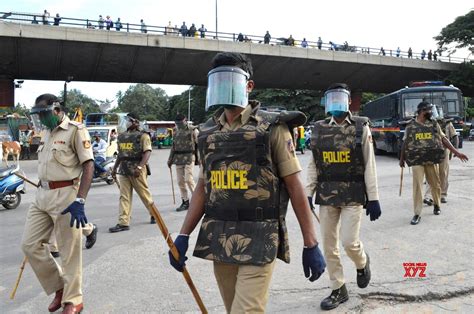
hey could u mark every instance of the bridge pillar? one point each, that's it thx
(356, 98)
(7, 93)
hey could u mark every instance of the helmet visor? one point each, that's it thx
(227, 85)
(337, 100)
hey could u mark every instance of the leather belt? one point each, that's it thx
(51, 185)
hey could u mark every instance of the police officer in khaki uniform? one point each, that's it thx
(134, 150)
(249, 172)
(343, 175)
(183, 155)
(423, 149)
(64, 159)
(443, 167)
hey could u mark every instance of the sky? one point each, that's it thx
(374, 23)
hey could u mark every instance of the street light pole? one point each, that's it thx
(189, 103)
(216, 20)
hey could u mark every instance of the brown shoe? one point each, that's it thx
(56, 303)
(70, 308)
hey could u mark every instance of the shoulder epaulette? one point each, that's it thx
(79, 125)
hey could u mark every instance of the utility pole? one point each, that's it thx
(189, 103)
(216, 21)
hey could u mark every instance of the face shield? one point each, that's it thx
(337, 101)
(43, 115)
(437, 112)
(123, 125)
(227, 85)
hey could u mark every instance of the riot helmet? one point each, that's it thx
(438, 113)
(43, 111)
(337, 99)
(228, 80)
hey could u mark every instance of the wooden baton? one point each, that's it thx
(164, 231)
(22, 267)
(401, 181)
(172, 185)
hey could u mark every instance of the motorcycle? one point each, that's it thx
(11, 187)
(108, 165)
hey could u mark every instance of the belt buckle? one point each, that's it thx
(45, 185)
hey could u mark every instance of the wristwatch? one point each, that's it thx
(139, 167)
(81, 200)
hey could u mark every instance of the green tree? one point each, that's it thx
(179, 104)
(460, 32)
(75, 98)
(145, 101)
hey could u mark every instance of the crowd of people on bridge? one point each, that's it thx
(193, 31)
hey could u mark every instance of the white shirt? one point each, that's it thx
(99, 148)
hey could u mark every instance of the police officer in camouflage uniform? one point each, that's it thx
(443, 167)
(182, 154)
(423, 149)
(249, 172)
(344, 176)
(134, 150)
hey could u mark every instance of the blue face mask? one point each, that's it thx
(337, 113)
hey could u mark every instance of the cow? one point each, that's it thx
(13, 148)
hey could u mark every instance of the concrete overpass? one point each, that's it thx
(41, 52)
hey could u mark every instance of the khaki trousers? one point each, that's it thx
(443, 169)
(53, 244)
(432, 176)
(185, 180)
(44, 217)
(244, 288)
(127, 185)
(346, 221)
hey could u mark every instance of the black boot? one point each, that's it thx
(184, 206)
(91, 238)
(428, 201)
(337, 297)
(363, 275)
(415, 220)
(436, 210)
(119, 228)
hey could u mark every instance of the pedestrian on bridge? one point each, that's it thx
(243, 230)
(410, 53)
(343, 175)
(118, 25)
(320, 43)
(267, 38)
(430, 55)
(101, 22)
(45, 17)
(423, 148)
(108, 23)
(202, 30)
(134, 151)
(423, 54)
(57, 19)
(65, 170)
(398, 52)
(184, 30)
(143, 27)
(304, 43)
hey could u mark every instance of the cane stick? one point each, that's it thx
(164, 230)
(172, 185)
(26, 179)
(401, 181)
(22, 267)
(315, 215)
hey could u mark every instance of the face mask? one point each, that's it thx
(49, 120)
(428, 115)
(128, 124)
(337, 113)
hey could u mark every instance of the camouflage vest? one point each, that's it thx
(246, 202)
(337, 152)
(130, 151)
(423, 146)
(184, 145)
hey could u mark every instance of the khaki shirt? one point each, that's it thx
(145, 142)
(63, 150)
(370, 172)
(281, 143)
(450, 130)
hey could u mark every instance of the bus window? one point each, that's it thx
(410, 102)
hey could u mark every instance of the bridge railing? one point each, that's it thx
(38, 18)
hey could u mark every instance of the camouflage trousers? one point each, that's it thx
(432, 177)
(341, 223)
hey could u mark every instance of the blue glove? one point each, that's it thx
(181, 243)
(373, 208)
(310, 201)
(313, 263)
(76, 210)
